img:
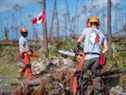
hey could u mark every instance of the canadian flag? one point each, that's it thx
(41, 18)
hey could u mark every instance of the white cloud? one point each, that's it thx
(116, 1)
(8, 4)
(3, 8)
(100, 4)
(104, 2)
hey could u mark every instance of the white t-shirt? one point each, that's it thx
(23, 45)
(93, 41)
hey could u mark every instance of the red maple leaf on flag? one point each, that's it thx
(34, 20)
(41, 18)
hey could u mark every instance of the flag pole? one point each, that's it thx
(109, 27)
(109, 6)
(44, 26)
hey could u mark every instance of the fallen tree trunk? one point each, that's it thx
(113, 73)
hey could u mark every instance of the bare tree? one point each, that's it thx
(77, 17)
(17, 9)
(6, 32)
(54, 28)
(109, 6)
(67, 19)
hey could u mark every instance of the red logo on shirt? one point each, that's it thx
(97, 39)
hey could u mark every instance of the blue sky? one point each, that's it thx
(27, 9)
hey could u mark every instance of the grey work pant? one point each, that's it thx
(92, 66)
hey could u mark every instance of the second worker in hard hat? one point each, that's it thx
(23, 48)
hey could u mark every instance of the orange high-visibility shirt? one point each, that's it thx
(26, 59)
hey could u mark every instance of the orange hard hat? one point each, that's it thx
(93, 19)
(23, 30)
